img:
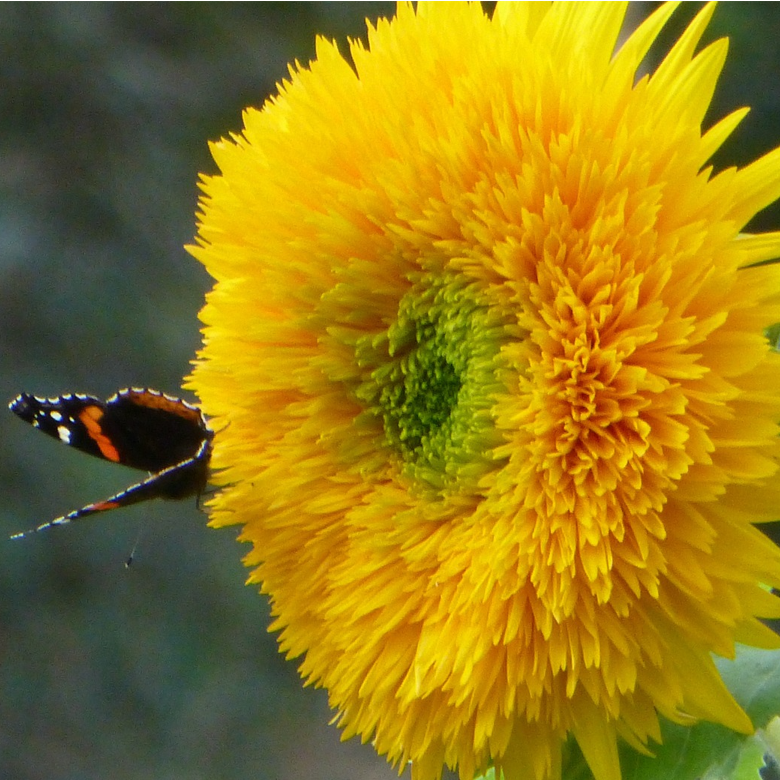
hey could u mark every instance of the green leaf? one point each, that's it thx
(754, 680)
(749, 761)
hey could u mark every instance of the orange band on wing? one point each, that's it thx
(90, 416)
(102, 506)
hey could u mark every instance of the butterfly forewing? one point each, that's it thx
(142, 429)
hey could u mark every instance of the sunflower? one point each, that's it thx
(492, 397)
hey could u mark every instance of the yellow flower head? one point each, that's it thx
(492, 399)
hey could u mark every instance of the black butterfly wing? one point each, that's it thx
(64, 418)
(139, 428)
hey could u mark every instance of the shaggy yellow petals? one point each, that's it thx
(491, 396)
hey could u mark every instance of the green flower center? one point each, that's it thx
(421, 392)
(434, 376)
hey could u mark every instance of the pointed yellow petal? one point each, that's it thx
(590, 33)
(756, 186)
(633, 51)
(677, 60)
(690, 94)
(598, 742)
(713, 139)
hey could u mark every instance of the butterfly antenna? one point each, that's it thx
(131, 557)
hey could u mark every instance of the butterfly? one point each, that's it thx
(136, 427)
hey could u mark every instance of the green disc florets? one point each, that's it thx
(434, 381)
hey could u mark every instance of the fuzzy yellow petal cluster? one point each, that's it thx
(492, 399)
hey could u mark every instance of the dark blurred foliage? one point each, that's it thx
(164, 670)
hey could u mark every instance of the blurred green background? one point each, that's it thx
(164, 670)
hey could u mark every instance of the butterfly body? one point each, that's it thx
(136, 427)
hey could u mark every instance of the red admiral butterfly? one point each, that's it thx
(140, 428)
